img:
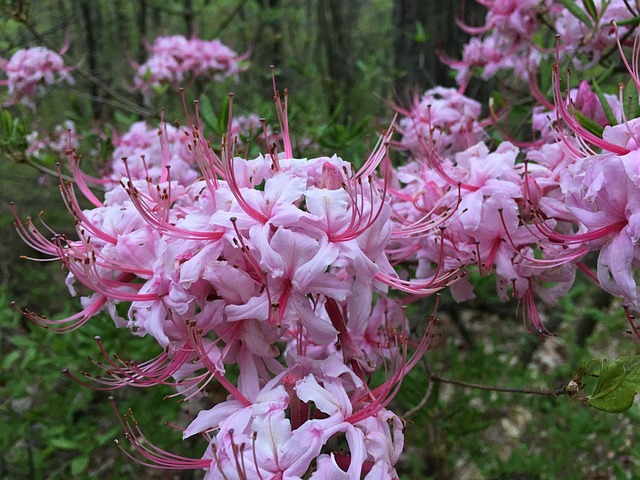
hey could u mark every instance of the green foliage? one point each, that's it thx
(12, 132)
(591, 9)
(577, 12)
(52, 427)
(208, 116)
(421, 34)
(588, 124)
(618, 383)
(611, 118)
(631, 102)
(629, 22)
(336, 137)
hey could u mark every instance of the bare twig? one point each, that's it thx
(48, 171)
(434, 377)
(126, 103)
(227, 21)
(422, 402)
(526, 391)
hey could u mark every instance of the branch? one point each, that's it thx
(126, 103)
(226, 22)
(46, 170)
(551, 393)
(424, 400)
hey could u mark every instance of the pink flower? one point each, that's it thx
(63, 139)
(584, 44)
(30, 70)
(175, 59)
(145, 153)
(443, 117)
(584, 100)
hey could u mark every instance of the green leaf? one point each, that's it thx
(79, 465)
(123, 119)
(634, 21)
(577, 12)
(206, 112)
(591, 9)
(23, 342)
(106, 150)
(618, 383)
(223, 119)
(10, 359)
(587, 123)
(607, 74)
(611, 118)
(630, 100)
(421, 34)
(147, 75)
(546, 76)
(109, 436)
(160, 89)
(63, 444)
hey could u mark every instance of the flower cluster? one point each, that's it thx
(510, 38)
(63, 139)
(462, 203)
(29, 70)
(150, 151)
(442, 118)
(270, 264)
(174, 59)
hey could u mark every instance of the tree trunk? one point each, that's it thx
(189, 17)
(92, 55)
(142, 28)
(122, 27)
(336, 38)
(421, 30)
(272, 29)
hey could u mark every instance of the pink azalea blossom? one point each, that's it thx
(585, 44)
(145, 152)
(30, 70)
(63, 139)
(175, 58)
(442, 117)
(585, 101)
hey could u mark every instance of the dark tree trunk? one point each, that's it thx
(142, 28)
(273, 27)
(189, 17)
(92, 55)
(336, 38)
(422, 29)
(156, 17)
(122, 27)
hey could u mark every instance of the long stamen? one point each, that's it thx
(152, 456)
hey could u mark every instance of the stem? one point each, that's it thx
(126, 103)
(424, 400)
(552, 393)
(43, 169)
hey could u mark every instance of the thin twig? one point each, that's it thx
(226, 22)
(422, 402)
(126, 103)
(527, 391)
(46, 170)
(434, 377)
